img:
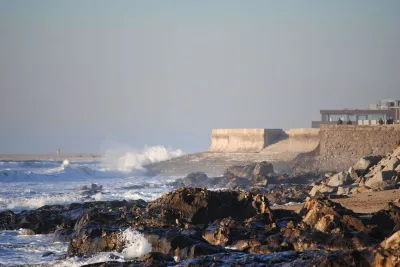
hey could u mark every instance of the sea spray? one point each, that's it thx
(121, 160)
(136, 245)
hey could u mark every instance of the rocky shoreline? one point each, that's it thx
(200, 224)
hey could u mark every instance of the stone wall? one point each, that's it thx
(355, 141)
(341, 146)
(243, 140)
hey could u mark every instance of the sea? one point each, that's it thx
(27, 185)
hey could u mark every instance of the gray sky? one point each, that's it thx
(75, 74)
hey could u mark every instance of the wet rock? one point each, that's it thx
(377, 181)
(157, 259)
(7, 220)
(27, 232)
(196, 179)
(179, 243)
(287, 258)
(63, 235)
(341, 178)
(47, 254)
(363, 165)
(201, 206)
(82, 187)
(94, 238)
(49, 218)
(225, 232)
(238, 182)
(96, 187)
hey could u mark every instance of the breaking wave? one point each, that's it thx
(128, 161)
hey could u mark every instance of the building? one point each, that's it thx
(385, 109)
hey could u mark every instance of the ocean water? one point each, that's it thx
(31, 184)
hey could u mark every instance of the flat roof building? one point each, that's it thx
(386, 109)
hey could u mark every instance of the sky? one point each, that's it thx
(81, 74)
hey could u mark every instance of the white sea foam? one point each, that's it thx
(136, 245)
(22, 203)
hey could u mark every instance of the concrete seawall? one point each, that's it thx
(243, 140)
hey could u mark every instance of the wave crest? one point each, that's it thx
(129, 161)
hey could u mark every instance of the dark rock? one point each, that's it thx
(201, 206)
(7, 220)
(256, 172)
(386, 220)
(63, 235)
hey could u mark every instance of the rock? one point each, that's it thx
(322, 189)
(378, 180)
(256, 172)
(387, 220)
(397, 169)
(96, 187)
(82, 187)
(48, 253)
(363, 164)
(393, 242)
(7, 220)
(227, 231)
(27, 232)
(63, 235)
(388, 254)
(396, 152)
(201, 206)
(198, 179)
(341, 178)
(238, 183)
(391, 164)
(343, 190)
(326, 216)
(93, 238)
(287, 258)
(157, 259)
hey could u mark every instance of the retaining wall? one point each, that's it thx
(243, 140)
(355, 141)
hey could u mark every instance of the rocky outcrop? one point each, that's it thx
(257, 173)
(201, 206)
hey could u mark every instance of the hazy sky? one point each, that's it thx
(76, 74)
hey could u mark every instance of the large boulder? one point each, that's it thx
(341, 178)
(327, 216)
(180, 243)
(379, 179)
(391, 164)
(196, 179)
(362, 166)
(322, 189)
(256, 172)
(386, 220)
(201, 206)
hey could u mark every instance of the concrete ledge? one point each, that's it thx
(243, 140)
